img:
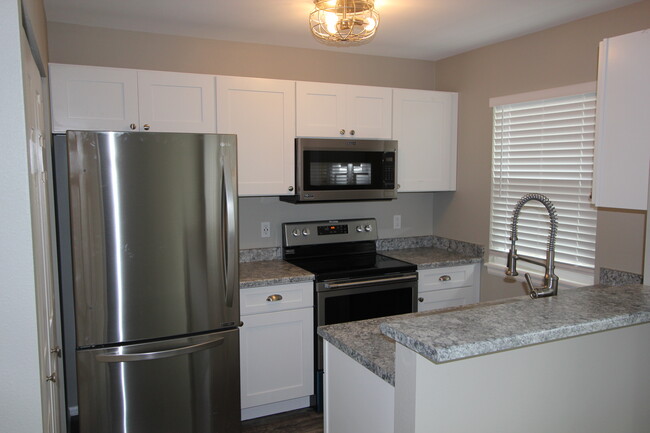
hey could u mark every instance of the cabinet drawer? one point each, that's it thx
(446, 278)
(446, 298)
(276, 298)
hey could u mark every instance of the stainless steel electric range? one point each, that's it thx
(352, 281)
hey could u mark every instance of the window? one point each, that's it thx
(545, 145)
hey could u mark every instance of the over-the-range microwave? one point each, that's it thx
(336, 169)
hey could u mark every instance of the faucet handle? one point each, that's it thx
(511, 264)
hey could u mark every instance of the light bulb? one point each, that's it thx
(370, 24)
(331, 21)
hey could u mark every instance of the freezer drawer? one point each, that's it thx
(188, 384)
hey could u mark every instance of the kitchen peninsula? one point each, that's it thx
(576, 362)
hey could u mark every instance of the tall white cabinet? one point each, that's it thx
(622, 153)
(425, 126)
(341, 110)
(262, 114)
(114, 99)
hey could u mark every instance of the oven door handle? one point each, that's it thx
(371, 281)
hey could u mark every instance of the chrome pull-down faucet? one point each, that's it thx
(550, 279)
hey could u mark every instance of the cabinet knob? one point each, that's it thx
(274, 298)
(420, 299)
(133, 126)
(146, 127)
(342, 132)
(444, 278)
(290, 188)
(352, 132)
(51, 378)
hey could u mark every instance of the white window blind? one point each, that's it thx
(545, 146)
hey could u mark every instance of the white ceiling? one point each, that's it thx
(416, 29)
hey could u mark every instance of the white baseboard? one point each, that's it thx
(273, 408)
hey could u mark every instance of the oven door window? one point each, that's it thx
(340, 307)
(332, 170)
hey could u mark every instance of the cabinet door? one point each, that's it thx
(93, 98)
(262, 114)
(446, 298)
(277, 357)
(320, 109)
(368, 112)
(622, 129)
(425, 127)
(176, 102)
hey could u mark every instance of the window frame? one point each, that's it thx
(570, 276)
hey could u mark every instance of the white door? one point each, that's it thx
(424, 125)
(368, 112)
(46, 298)
(262, 114)
(277, 356)
(176, 102)
(320, 109)
(93, 98)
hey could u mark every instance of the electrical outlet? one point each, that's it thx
(266, 229)
(397, 222)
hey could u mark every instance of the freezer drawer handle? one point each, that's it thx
(148, 356)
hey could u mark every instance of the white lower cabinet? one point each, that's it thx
(448, 287)
(276, 349)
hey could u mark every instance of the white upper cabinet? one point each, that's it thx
(425, 127)
(88, 97)
(262, 114)
(114, 99)
(622, 151)
(339, 110)
(176, 102)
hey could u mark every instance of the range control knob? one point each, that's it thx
(295, 232)
(306, 232)
(359, 229)
(368, 228)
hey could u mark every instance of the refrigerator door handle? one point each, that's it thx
(148, 356)
(228, 194)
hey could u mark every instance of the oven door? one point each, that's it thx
(334, 169)
(359, 299)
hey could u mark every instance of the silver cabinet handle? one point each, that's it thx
(420, 299)
(274, 298)
(146, 126)
(133, 126)
(444, 278)
(147, 356)
(352, 132)
(342, 132)
(290, 188)
(56, 350)
(51, 378)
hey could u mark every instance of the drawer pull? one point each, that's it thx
(420, 299)
(274, 298)
(444, 278)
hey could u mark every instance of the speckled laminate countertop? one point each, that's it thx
(431, 257)
(453, 334)
(269, 273)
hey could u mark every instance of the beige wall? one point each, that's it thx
(560, 56)
(118, 48)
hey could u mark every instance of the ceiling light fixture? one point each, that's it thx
(344, 22)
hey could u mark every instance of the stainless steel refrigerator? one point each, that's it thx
(148, 245)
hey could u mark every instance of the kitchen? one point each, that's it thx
(551, 58)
